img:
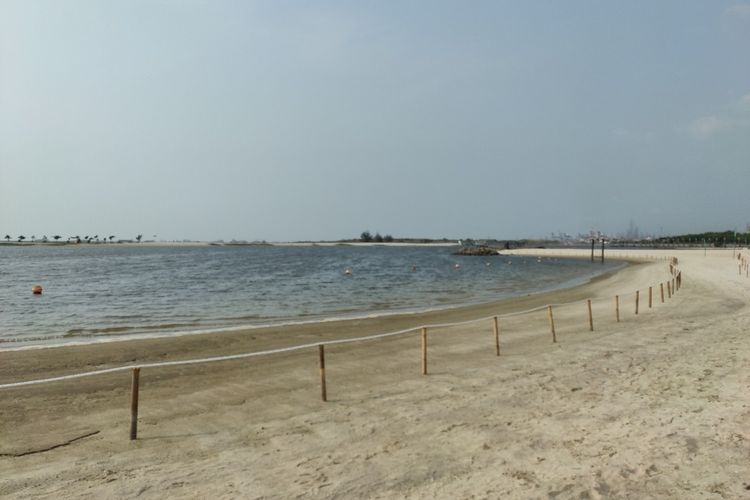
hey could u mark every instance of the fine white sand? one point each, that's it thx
(655, 406)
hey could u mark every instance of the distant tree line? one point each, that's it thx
(367, 237)
(717, 239)
(76, 239)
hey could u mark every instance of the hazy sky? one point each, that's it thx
(317, 120)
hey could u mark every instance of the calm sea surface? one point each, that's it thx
(96, 292)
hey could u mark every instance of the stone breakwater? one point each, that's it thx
(477, 251)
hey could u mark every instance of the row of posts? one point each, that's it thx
(744, 265)
(672, 286)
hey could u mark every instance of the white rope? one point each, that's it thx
(275, 351)
(260, 353)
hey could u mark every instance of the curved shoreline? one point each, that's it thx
(125, 309)
(71, 340)
(29, 362)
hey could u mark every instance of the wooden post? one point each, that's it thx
(424, 351)
(593, 242)
(673, 288)
(591, 317)
(617, 307)
(322, 356)
(661, 287)
(650, 295)
(551, 324)
(602, 250)
(134, 404)
(497, 336)
(669, 289)
(637, 295)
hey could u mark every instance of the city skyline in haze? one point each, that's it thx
(290, 121)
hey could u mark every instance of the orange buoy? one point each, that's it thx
(37, 289)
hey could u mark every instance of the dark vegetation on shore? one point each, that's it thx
(74, 240)
(716, 239)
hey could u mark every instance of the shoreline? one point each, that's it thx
(17, 344)
(233, 340)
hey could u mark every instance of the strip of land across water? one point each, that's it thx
(655, 405)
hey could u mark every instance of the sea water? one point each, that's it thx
(94, 292)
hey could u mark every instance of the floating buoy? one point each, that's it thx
(348, 272)
(36, 289)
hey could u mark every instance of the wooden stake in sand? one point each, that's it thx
(322, 356)
(669, 290)
(424, 351)
(661, 287)
(617, 308)
(551, 323)
(637, 295)
(673, 288)
(591, 317)
(134, 404)
(650, 295)
(497, 335)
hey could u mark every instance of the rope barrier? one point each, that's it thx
(259, 353)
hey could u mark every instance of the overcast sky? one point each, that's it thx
(317, 120)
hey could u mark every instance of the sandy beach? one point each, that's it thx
(654, 406)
